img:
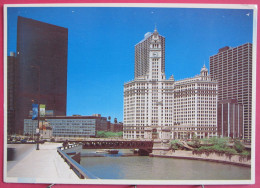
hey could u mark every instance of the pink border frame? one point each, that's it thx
(257, 140)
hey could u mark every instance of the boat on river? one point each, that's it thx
(112, 151)
(109, 151)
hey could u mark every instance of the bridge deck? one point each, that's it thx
(115, 144)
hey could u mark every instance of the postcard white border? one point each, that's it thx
(138, 182)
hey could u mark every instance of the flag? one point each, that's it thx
(42, 110)
(34, 111)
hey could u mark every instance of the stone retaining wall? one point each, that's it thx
(235, 159)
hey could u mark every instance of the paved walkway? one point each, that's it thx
(41, 166)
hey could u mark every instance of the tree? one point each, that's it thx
(221, 142)
(196, 141)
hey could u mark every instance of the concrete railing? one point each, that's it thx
(76, 167)
(70, 146)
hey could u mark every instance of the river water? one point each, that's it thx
(126, 166)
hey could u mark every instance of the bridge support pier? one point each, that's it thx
(161, 147)
(144, 152)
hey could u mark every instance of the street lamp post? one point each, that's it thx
(38, 125)
(38, 102)
(38, 130)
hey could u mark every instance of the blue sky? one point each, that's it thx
(101, 46)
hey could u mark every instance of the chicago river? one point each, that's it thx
(125, 166)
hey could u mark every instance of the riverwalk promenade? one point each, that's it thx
(39, 166)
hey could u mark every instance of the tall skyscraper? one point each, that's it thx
(154, 105)
(11, 65)
(148, 98)
(41, 72)
(232, 68)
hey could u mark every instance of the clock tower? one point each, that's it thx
(150, 56)
(148, 98)
(156, 63)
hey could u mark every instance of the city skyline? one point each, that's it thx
(95, 81)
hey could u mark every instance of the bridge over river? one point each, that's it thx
(114, 144)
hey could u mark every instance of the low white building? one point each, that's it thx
(65, 126)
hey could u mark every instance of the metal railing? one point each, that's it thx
(81, 172)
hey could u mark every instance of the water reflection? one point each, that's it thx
(126, 165)
(104, 153)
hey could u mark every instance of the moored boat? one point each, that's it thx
(112, 151)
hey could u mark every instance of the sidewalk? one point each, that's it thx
(41, 166)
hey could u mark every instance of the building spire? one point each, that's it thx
(155, 29)
(204, 71)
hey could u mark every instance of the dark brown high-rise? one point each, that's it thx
(232, 68)
(11, 65)
(41, 73)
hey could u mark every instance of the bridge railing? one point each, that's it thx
(81, 172)
(70, 146)
(70, 139)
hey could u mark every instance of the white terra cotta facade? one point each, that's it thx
(153, 104)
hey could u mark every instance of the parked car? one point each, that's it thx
(23, 141)
(41, 141)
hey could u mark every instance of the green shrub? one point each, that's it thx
(238, 146)
(230, 151)
(215, 149)
(222, 142)
(106, 134)
(174, 141)
(176, 144)
(245, 153)
(205, 140)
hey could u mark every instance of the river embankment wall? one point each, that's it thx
(213, 157)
